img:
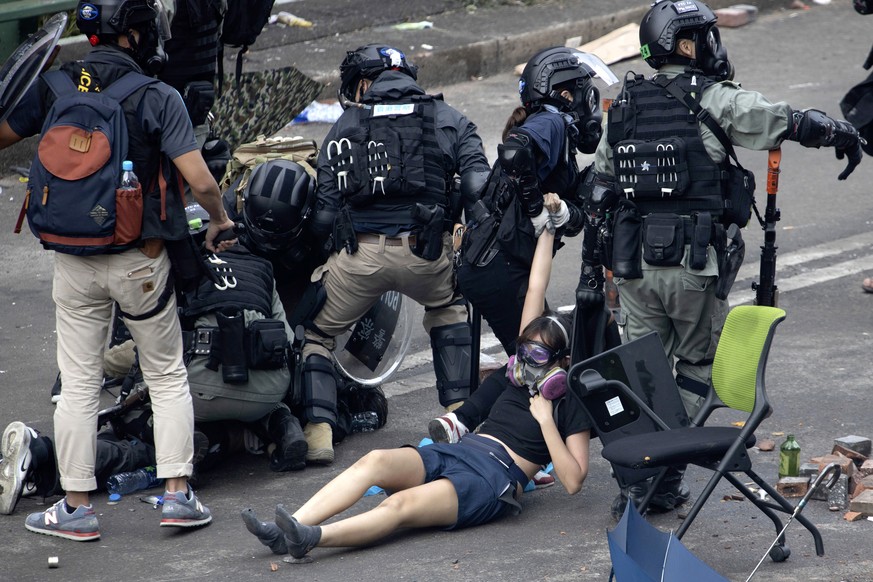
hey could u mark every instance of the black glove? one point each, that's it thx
(854, 154)
(589, 292)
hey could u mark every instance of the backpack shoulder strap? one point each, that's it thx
(59, 82)
(124, 87)
(702, 114)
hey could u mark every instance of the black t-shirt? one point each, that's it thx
(510, 421)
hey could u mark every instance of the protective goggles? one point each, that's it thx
(536, 354)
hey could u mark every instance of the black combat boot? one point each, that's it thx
(284, 430)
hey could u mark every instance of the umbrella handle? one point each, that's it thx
(830, 468)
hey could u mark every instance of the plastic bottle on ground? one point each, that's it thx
(132, 481)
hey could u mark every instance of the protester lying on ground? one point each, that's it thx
(469, 483)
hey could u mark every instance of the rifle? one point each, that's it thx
(766, 292)
(132, 395)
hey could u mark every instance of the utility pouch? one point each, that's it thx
(479, 238)
(730, 261)
(740, 196)
(267, 342)
(344, 233)
(651, 169)
(232, 330)
(627, 231)
(701, 234)
(429, 240)
(663, 240)
(199, 97)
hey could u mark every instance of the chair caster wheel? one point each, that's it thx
(780, 553)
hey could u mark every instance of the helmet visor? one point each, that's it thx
(162, 22)
(597, 67)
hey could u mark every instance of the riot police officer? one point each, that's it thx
(559, 116)
(384, 174)
(662, 169)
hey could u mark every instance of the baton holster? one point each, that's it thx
(701, 233)
(731, 250)
(232, 328)
(429, 240)
(344, 233)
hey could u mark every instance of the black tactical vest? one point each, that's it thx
(660, 161)
(253, 290)
(399, 161)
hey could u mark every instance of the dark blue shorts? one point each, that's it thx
(479, 480)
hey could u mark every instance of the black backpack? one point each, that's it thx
(241, 26)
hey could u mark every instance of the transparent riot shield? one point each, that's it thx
(27, 62)
(374, 348)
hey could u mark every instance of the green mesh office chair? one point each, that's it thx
(738, 383)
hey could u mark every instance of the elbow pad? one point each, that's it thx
(322, 222)
(517, 158)
(813, 129)
(472, 183)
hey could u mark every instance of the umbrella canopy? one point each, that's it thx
(642, 553)
(262, 104)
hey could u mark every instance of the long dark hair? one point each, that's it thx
(516, 118)
(553, 329)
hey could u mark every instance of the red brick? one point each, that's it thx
(793, 486)
(738, 15)
(863, 503)
(853, 516)
(845, 463)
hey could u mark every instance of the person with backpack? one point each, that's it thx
(475, 481)
(115, 246)
(532, 187)
(383, 209)
(664, 172)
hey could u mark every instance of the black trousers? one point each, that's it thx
(497, 290)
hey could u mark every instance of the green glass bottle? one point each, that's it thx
(789, 458)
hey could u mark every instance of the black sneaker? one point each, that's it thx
(670, 496)
(56, 389)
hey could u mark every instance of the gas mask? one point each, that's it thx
(586, 109)
(533, 367)
(712, 57)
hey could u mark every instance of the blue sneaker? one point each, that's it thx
(79, 526)
(14, 464)
(184, 510)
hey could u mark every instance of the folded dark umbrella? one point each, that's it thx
(641, 553)
(262, 104)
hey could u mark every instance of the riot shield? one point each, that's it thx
(27, 62)
(374, 348)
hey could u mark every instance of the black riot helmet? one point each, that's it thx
(550, 72)
(367, 62)
(668, 21)
(277, 201)
(103, 20)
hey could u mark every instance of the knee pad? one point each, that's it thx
(452, 359)
(319, 390)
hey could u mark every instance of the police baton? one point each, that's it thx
(766, 292)
(476, 333)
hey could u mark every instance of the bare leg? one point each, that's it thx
(428, 505)
(431, 504)
(393, 470)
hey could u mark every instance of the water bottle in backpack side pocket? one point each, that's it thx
(366, 421)
(132, 481)
(128, 206)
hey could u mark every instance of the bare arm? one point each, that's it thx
(540, 271)
(570, 458)
(7, 136)
(193, 168)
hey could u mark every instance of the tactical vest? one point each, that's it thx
(393, 163)
(659, 158)
(253, 290)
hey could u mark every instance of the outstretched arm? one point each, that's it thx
(540, 271)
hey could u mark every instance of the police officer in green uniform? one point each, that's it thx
(662, 170)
